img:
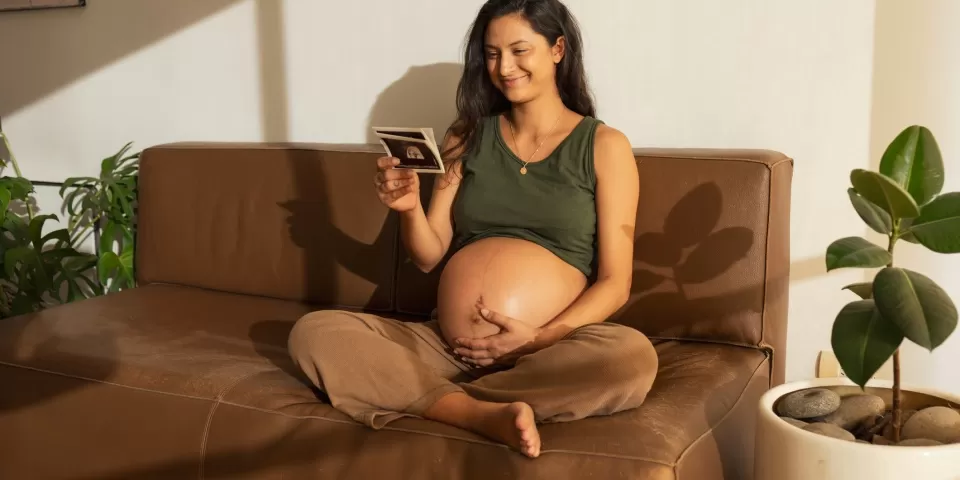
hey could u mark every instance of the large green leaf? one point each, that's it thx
(14, 256)
(938, 226)
(73, 273)
(125, 275)
(863, 290)
(107, 237)
(118, 268)
(5, 198)
(913, 161)
(855, 252)
(63, 235)
(36, 229)
(871, 214)
(863, 340)
(915, 303)
(884, 193)
(77, 183)
(904, 232)
(20, 188)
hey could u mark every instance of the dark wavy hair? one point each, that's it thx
(477, 97)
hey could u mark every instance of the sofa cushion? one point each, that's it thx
(698, 387)
(126, 382)
(171, 381)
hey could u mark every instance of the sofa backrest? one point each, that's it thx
(292, 222)
(302, 222)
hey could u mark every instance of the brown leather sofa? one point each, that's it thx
(187, 375)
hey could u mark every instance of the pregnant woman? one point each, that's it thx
(538, 209)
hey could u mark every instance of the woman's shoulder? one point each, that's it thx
(611, 147)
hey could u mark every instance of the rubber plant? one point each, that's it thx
(37, 270)
(108, 203)
(902, 201)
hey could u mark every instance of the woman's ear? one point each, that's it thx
(559, 49)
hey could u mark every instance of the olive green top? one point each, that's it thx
(552, 205)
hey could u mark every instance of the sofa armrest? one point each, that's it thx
(712, 249)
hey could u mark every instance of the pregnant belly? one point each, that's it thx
(517, 278)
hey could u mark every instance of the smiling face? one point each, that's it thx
(521, 63)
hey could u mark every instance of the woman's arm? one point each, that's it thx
(616, 199)
(427, 235)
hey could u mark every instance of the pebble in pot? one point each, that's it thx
(830, 430)
(854, 409)
(809, 403)
(794, 422)
(934, 423)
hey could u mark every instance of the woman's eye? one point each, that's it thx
(519, 52)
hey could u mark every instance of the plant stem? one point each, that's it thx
(896, 396)
(896, 353)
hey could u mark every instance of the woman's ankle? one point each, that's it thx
(456, 408)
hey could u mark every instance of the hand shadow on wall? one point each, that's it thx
(688, 252)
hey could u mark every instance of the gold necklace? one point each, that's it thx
(523, 169)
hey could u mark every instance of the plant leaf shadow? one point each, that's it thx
(677, 270)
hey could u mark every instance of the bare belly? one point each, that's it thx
(517, 278)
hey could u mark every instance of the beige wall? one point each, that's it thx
(787, 75)
(917, 81)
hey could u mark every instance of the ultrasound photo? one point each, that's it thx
(412, 153)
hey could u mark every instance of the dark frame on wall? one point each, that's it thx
(18, 5)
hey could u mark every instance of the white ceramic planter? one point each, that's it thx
(785, 452)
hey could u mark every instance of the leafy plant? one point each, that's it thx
(903, 201)
(36, 270)
(107, 202)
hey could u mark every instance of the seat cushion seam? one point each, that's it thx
(94, 380)
(213, 409)
(775, 162)
(676, 464)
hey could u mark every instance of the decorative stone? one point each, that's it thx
(794, 422)
(919, 442)
(881, 440)
(854, 409)
(829, 430)
(809, 403)
(935, 423)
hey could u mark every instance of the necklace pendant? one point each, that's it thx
(523, 170)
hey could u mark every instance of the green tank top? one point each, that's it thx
(552, 205)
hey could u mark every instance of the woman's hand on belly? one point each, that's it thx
(515, 278)
(515, 340)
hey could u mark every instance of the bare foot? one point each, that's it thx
(514, 425)
(510, 423)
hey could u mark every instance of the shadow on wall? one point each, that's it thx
(43, 51)
(425, 96)
(675, 280)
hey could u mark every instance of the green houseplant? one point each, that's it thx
(36, 269)
(107, 202)
(860, 427)
(902, 201)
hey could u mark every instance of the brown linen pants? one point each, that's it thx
(378, 369)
